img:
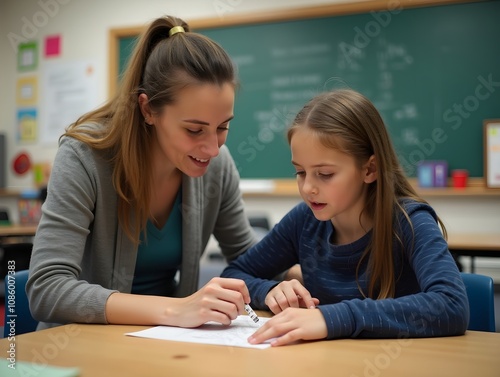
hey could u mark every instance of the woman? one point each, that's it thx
(137, 188)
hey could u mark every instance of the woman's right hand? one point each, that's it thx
(220, 300)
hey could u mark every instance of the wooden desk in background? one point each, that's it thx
(474, 245)
(104, 350)
(17, 230)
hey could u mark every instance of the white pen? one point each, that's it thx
(251, 313)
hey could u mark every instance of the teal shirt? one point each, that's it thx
(159, 256)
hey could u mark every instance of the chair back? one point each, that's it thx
(481, 295)
(17, 253)
(17, 317)
(4, 216)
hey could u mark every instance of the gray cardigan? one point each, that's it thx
(80, 253)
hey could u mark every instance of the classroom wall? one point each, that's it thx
(84, 26)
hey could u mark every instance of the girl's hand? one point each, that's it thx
(294, 272)
(220, 300)
(289, 294)
(291, 325)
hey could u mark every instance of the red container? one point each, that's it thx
(459, 178)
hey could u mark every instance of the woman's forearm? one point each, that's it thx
(129, 309)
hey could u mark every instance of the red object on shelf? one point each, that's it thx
(460, 177)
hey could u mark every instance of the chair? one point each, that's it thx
(259, 221)
(17, 253)
(480, 292)
(4, 216)
(216, 263)
(18, 301)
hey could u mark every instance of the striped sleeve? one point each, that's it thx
(440, 309)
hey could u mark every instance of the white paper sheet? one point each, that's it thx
(235, 334)
(69, 89)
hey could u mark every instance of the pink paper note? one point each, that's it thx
(52, 46)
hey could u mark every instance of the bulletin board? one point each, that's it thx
(492, 152)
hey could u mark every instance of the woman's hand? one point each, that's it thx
(291, 325)
(220, 300)
(289, 294)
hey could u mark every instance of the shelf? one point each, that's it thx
(288, 188)
(450, 191)
(9, 193)
(24, 193)
(476, 187)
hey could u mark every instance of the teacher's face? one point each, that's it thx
(192, 129)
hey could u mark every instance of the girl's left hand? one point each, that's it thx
(291, 325)
(289, 294)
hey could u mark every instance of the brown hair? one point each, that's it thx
(347, 121)
(160, 66)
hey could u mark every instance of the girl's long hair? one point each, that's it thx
(347, 121)
(160, 66)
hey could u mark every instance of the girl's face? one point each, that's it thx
(329, 181)
(192, 130)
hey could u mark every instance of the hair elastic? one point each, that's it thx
(175, 30)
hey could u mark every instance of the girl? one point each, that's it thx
(137, 188)
(373, 258)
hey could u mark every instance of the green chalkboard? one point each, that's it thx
(433, 73)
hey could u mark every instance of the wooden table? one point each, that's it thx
(474, 245)
(104, 350)
(17, 230)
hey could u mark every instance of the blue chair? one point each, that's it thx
(24, 322)
(480, 292)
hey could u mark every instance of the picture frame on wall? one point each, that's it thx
(27, 56)
(492, 153)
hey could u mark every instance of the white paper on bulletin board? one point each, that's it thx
(69, 90)
(492, 155)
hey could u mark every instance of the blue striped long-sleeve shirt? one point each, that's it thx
(430, 298)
